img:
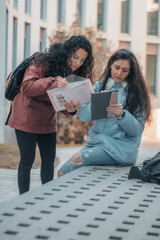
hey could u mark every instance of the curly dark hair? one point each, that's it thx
(59, 54)
(137, 99)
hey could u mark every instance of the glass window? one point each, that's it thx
(81, 6)
(99, 14)
(61, 11)
(15, 3)
(14, 46)
(42, 44)
(27, 39)
(6, 52)
(102, 10)
(123, 44)
(151, 73)
(125, 13)
(44, 9)
(152, 16)
(28, 4)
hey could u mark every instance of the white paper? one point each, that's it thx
(75, 91)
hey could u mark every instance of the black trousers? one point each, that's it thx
(27, 147)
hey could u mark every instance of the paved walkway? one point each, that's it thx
(8, 177)
(90, 203)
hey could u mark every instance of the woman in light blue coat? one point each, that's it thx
(115, 141)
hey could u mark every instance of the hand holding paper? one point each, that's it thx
(62, 82)
(71, 107)
(75, 91)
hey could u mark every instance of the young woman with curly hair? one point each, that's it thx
(33, 117)
(115, 141)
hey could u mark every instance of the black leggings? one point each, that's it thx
(27, 147)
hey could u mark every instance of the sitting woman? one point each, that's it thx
(115, 141)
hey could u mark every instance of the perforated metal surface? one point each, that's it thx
(90, 203)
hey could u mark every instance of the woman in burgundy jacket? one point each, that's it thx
(33, 117)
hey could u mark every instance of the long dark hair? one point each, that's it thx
(137, 99)
(58, 54)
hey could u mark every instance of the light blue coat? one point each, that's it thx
(120, 138)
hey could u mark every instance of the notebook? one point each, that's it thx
(99, 102)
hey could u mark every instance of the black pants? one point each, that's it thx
(27, 147)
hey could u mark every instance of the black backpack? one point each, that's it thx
(150, 171)
(14, 80)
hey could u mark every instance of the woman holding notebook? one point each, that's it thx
(115, 141)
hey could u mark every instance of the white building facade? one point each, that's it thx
(26, 26)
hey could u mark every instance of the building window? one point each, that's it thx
(123, 44)
(61, 11)
(42, 44)
(6, 52)
(125, 19)
(28, 4)
(102, 15)
(15, 3)
(44, 9)
(14, 46)
(151, 72)
(81, 6)
(151, 67)
(152, 16)
(27, 39)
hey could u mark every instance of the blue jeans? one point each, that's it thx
(90, 156)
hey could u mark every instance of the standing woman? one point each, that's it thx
(115, 141)
(33, 117)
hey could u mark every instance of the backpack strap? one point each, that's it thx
(135, 173)
(6, 123)
(8, 79)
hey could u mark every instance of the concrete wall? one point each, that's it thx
(36, 24)
(2, 67)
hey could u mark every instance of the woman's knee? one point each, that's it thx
(76, 159)
(60, 174)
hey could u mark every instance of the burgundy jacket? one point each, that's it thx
(31, 108)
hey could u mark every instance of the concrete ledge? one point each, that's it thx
(90, 203)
